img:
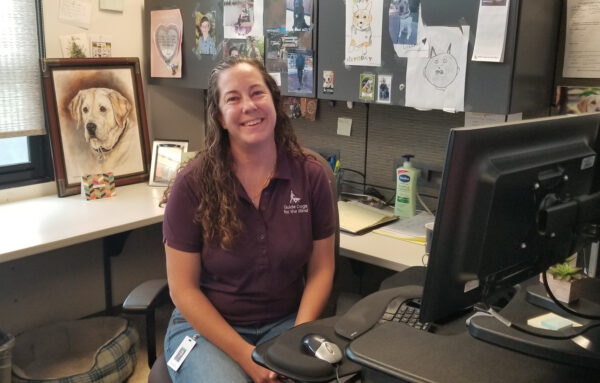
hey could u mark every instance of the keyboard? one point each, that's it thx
(405, 311)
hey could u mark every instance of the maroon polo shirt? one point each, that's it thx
(261, 278)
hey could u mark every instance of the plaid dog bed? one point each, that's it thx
(98, 349)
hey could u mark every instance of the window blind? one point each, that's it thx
(21, 103)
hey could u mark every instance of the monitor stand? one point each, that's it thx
(581, 351)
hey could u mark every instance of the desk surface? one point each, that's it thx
(46, 223)
(382, 250)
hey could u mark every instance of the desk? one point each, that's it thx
(381, 250)
(394, 352)
(47, 223)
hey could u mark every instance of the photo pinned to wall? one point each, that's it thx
(234, 47)
(255, 47)
(300, 71)
(406, 28)
(167, 156)
(276, 52)
(384, 88)
(298, 15)
(328, 81)
(205, 33)
(97, 120)
(363, 32)
(292, 106)
(242, 18)
(577, 99)
(274, 17)
(367, 87)
(166, 31)
(75, 46)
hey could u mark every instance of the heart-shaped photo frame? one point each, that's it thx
(166, 40)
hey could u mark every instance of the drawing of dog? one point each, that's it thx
(589, 104)
(441, 69)
(405, 19)
(360, 31)
(108, 125)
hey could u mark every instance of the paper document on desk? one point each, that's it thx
(409, 229)
(358, 218)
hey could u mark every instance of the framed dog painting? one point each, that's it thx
(97, 120)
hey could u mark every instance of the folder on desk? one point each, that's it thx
(358, 218)
(408, 229)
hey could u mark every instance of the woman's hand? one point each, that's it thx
(257, 373)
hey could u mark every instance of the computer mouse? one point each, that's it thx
(321, 348)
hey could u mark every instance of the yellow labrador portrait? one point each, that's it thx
(106, 121)
(589, 104)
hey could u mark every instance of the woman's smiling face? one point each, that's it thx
(246, 106)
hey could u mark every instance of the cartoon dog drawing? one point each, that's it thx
(327, 79)
(108, 124)
(360, 31)
(441, 69)
(405, 19)
(589, 104)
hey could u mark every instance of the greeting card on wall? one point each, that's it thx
(363, 32)
(166, 28)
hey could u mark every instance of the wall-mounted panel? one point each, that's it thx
(298, 40)
(519, 84)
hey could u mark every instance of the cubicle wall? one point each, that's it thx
(381, 134)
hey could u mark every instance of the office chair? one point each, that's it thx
(146, 297)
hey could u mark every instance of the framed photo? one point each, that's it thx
(97, 120)
(166, 158)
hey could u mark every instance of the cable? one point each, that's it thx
(423, 204)
(337, 373)
(490, 311)
(565, 308)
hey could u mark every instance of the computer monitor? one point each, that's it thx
(515, 198)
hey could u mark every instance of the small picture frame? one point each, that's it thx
(166, 158)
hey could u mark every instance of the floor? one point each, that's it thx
(163, 313)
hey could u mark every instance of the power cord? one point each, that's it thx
(565, 308)
(489, 310)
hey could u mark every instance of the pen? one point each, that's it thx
(332, 162)
(337, 166)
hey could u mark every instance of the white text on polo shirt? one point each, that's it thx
(295, 206)
(295, 209)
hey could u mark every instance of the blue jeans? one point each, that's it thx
(206, 363)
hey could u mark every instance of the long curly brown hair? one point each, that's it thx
(214, 174)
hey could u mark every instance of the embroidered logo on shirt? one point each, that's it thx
(295, 205)
(293, 198)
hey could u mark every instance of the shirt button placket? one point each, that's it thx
(261, 239)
